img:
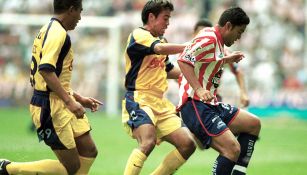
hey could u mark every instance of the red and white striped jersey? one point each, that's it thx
(205, 53)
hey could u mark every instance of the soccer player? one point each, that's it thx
(146, 114)
(244, 100)
(57, 112)
(216, 124)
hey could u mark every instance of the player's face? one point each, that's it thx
(234, 34)
(75, 16)
(161, 22)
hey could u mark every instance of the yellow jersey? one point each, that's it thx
(145, 70)
(51, 51)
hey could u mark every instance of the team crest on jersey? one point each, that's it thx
(190, 58)
(217, 78)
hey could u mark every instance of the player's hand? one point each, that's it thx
(76, 108)
(244, 100)
(91, 103)
(235, 56)
(204, 94)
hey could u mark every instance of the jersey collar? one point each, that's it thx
(218, 35)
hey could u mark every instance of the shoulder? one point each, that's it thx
(140, 34)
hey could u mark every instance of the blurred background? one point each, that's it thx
(275, 68)
(274, 45)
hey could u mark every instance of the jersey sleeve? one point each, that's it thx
(142, 42)
(52, 45)
(199, 50)
(168, 65)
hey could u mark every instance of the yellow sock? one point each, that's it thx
(86, 163)
(50, 167)
(135, 162)
(170, 164)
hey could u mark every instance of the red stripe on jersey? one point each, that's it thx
(185, 61)
(207, 60)
(202, 73)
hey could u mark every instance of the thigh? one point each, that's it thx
(135, 114)
(144, 133)
(168, 124)
(245, 122)
(203, 121)
(52, 122)
(86, 146)
(179, 137)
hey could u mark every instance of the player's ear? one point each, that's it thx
(228, 25)
(151, 17)
(71, 8)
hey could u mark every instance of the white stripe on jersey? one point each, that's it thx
(206, 57)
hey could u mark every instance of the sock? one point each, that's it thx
(50, 167)
(222, 166)
(135, 162)
(85, 165)
(247, 143)
(170, 164)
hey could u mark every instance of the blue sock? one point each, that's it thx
(222, 166)
(247, 143)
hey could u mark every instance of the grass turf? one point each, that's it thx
(281, 150)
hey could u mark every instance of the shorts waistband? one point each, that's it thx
(41, 93)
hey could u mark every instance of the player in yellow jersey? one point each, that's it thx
(57, 112)
(146, 114)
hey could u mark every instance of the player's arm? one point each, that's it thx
(55, 85)
(174, 73)
(188, 72)
(168, 48)
(244, 99)
(233, 57)
(87, 102)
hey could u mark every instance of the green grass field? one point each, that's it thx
(282, 149)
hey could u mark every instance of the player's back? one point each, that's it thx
(51, 51)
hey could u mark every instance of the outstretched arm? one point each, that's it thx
(168, 48)
(88, 102)
(244, 99)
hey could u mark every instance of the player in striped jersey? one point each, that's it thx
(146, 114)
(216, 124)
(57, 112)
(234, 68)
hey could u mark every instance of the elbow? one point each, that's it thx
(158, 49)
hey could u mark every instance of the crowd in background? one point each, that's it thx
(274, 44)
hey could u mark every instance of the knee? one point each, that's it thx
(256, 126)
(187, 148)
(93, 152)
(146, 146)
(232, 151)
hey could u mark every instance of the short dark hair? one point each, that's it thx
(235, 15)
(60, 6)
(155, 7)
(202, 23)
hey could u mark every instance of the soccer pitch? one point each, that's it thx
(281, 150)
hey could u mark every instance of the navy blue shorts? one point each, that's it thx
(205, 120)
